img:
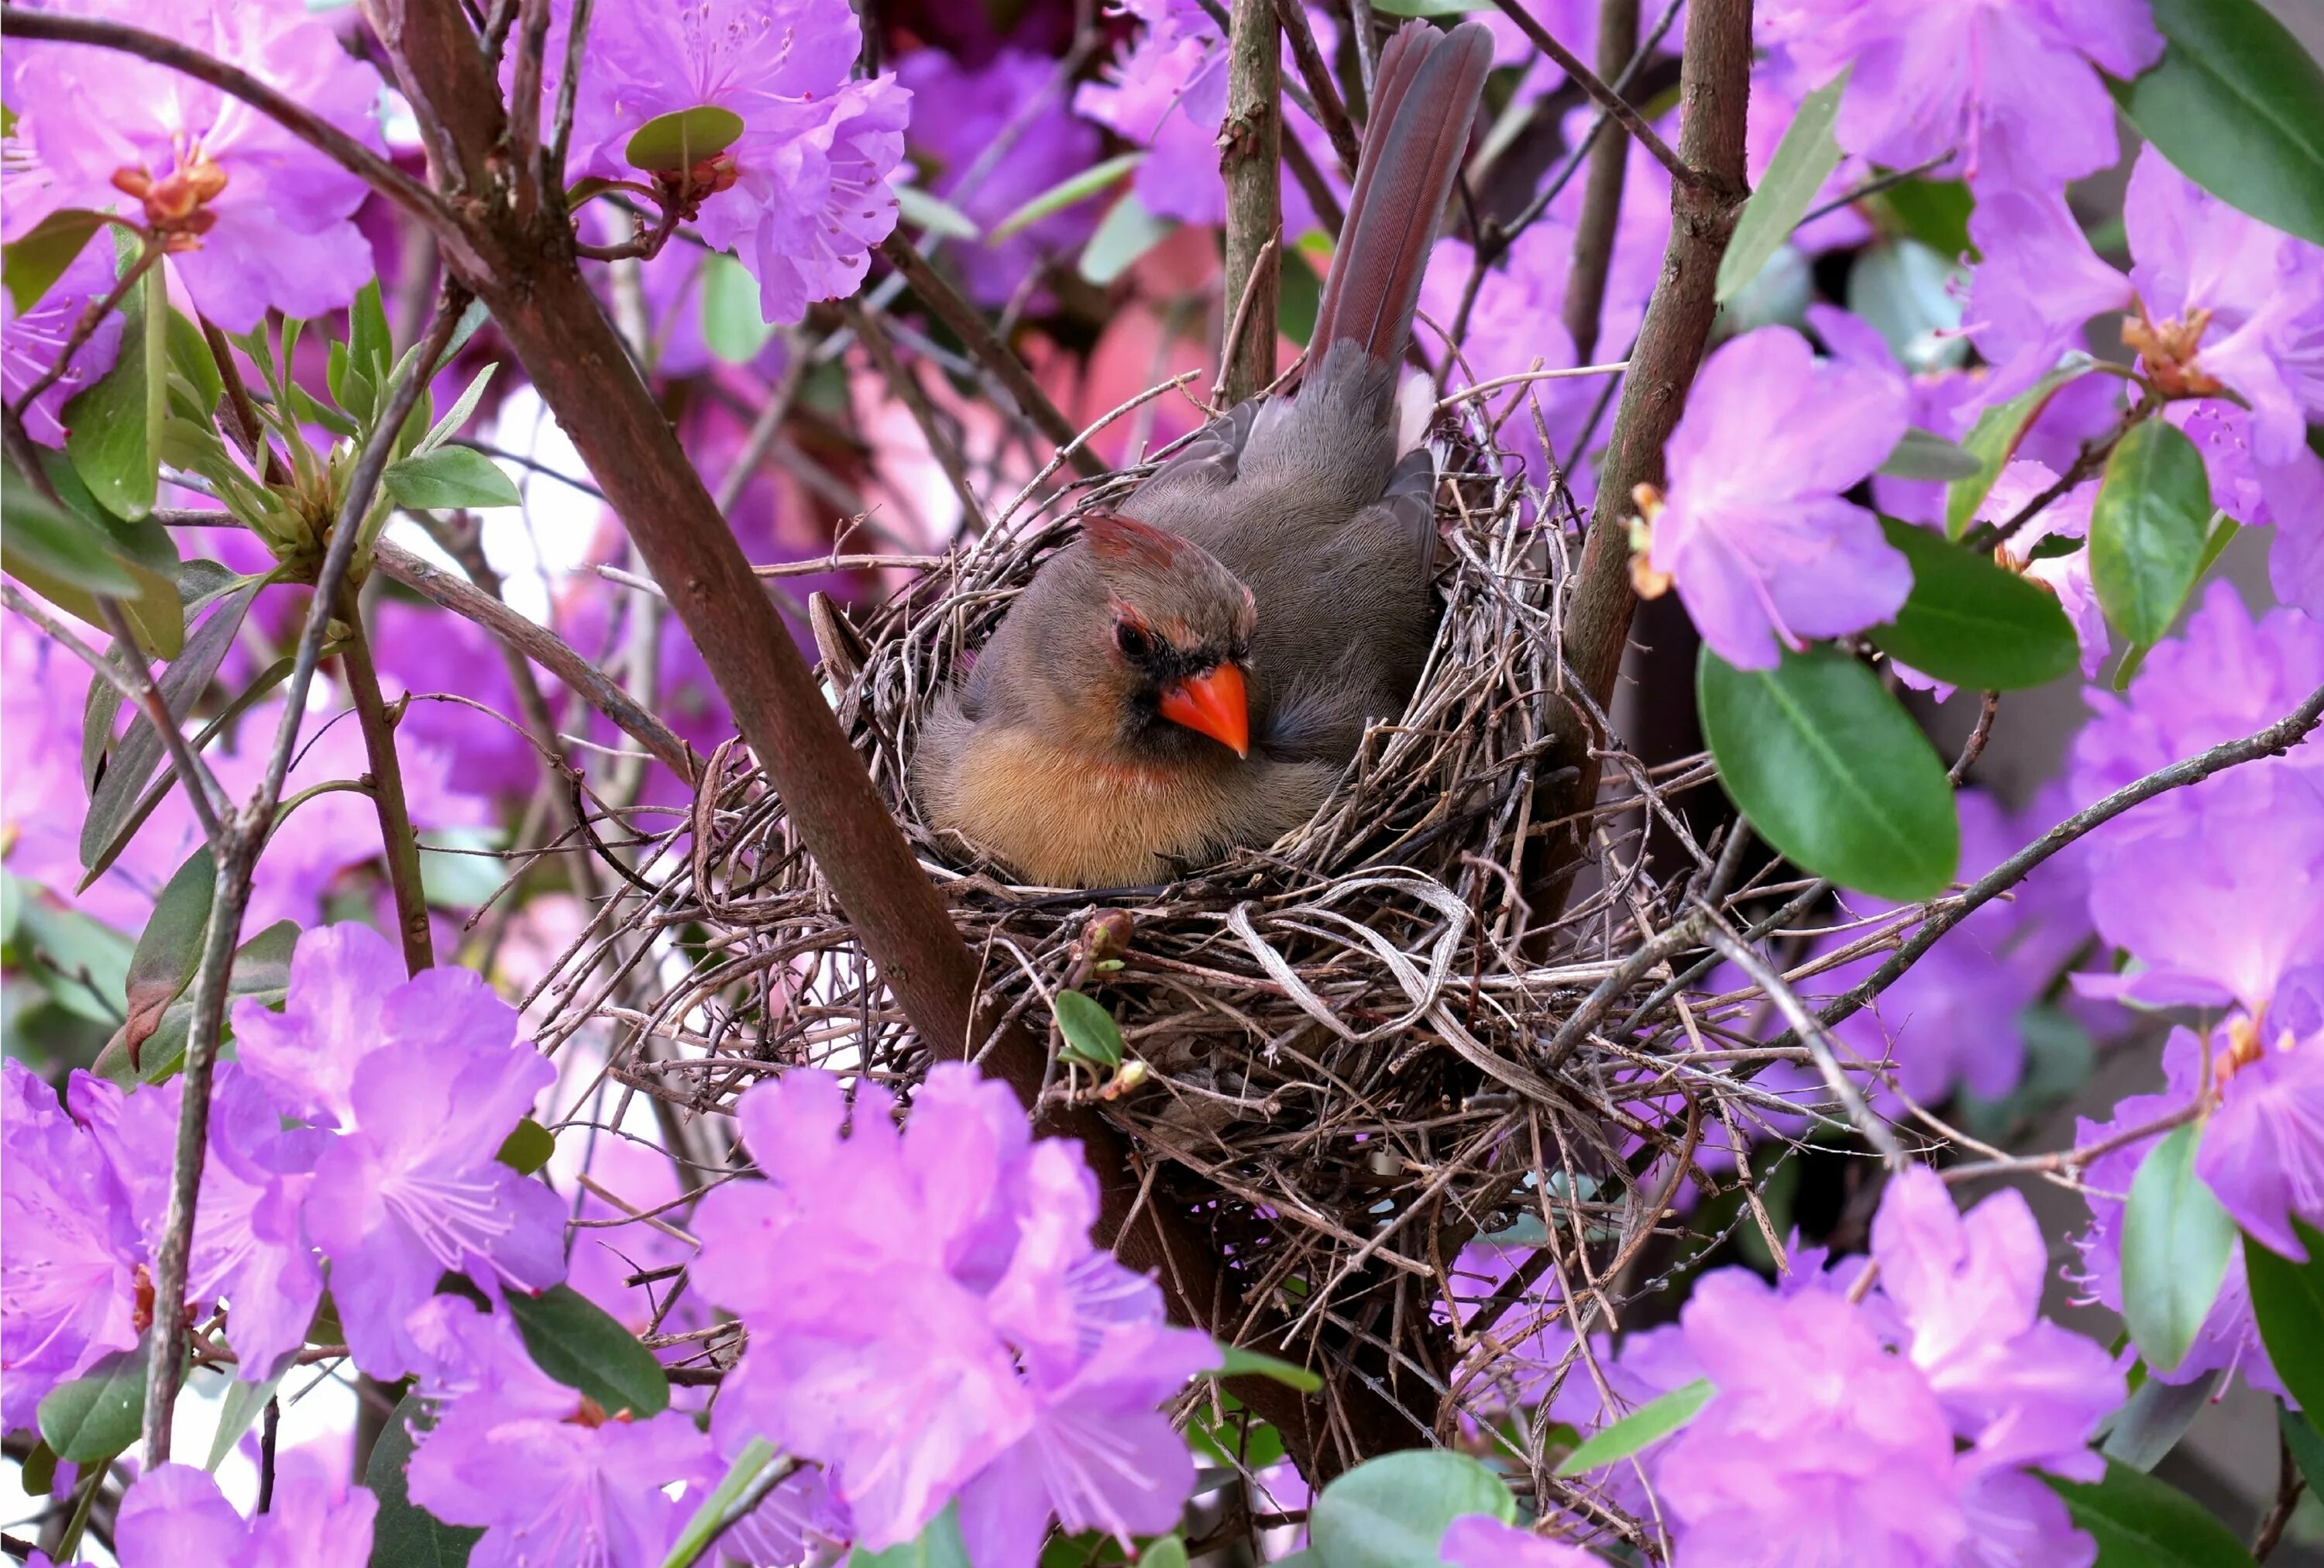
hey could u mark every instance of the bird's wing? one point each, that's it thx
(1209, 460)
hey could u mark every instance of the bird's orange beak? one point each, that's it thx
(1213, 703)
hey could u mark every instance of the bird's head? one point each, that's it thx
(1166, 640)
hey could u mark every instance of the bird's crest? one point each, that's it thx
(1124, 542)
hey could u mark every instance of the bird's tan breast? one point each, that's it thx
(1062, 818)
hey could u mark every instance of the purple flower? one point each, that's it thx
(421, 1080)
(554, 1482)
(254, 216)
(1167, 92)
(2210, 886)
(2222, 303)
(1754, 533)
(2229, 1338)
(1513, 321)
(249, 1249)
(176, 1513)
(802, 195)
(979, 106)
(71, 1254)
(2066, 575)
(927, 1319)
(31, 340)
(2012, 87)
(1482, 1541)
(2263, 1150)
(1944, 404)
(1831, 1437)
(1816, 1437)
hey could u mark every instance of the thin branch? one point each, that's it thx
(237, 863)
(1601, 199)
(388, 801)
(1875, 1130)
(1606, 98)
(568, 83)
(1250, 159)
(542, 647)
(1874, 187)
(1945, 914)
(1330, 112)
(57, 27)
(969, 324)
(91, 317)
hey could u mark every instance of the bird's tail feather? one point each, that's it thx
(1426, 94)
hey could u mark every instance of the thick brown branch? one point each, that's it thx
(1684, 167)
(1251, 161)
(1714, 85)
(969, 324)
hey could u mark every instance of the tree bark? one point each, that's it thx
(1250, 162)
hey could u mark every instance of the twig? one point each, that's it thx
(915, 398)
(237, 863)
(1250, 159)
(1945, 914)
(1875, 1130)
(542, 647)
(1682, 169)
(1601, 199)
(2289, 1484)
(386, 770)
(1330, 112)
(1874, 187)
(969, 324)
(1231, 345)
(91, 317)
(577, 37)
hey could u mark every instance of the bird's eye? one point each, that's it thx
(1133, 642)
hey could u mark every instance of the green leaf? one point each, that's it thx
(673, 143)
(243, 1404)
(134, 757)
(1935, 212)
(1832, 771)
(2288, 1300)
(1993, 441)
(2147, 530)
(731, 323)
(33, 263)
(170, 950)
(260, 973)
(113, 430)
(447, 479)
(2176, 1241)
(573, 1340)
(1392, 1511)
(938, 1546)
(932, 213)
(1167, 1551)
(2155, 1417)
(1240, 1363)
(403, 1534)
(96, 1416)
(2140, 1522)
(528, 1149)
(1912, 296)
(40, 540)
(1298, 297)
(1076, 189)
(190, 357)
(38, 1476)
(351, 387)
(1126, 232)
(1922, 454)
(370, 344)
(1091, 1035)
(445, 428)
(1804, 159)
(1649, 1423)
(710, 1516)
(1969, 622)
(2307, 1445)
(2237, 106)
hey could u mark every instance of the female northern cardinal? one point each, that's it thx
(1194, 675)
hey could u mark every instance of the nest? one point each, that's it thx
(1359, 1052)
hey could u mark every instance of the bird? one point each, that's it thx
(1196, 671)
